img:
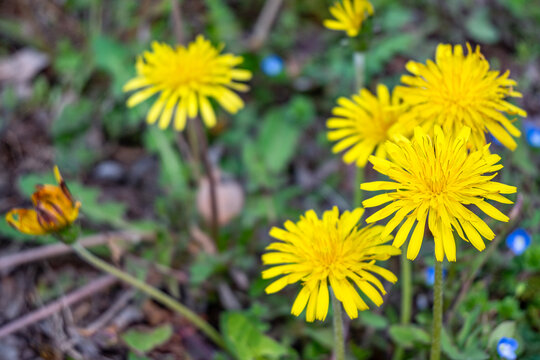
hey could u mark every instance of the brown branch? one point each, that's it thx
(11, 261)
(264, 23)
(90, 289)
(108, 315)
(177, 21)
(211, 179)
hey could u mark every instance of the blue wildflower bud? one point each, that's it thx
(272, 65)
(506, 347)
(532, 133)
(518, 241)
(429, 274)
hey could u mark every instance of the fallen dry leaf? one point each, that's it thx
(22, 66)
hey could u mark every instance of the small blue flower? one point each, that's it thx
(272, 65)
(506, 347)
(518, 241)
(532, 133)
(430, 275)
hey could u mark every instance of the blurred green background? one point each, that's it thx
(62, 67)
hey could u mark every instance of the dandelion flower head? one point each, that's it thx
(362, 125)
(331, 251)
(436, 179)
(349, 16)
(460, 90)
(186, 78)
(54, 210)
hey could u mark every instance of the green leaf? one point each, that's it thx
(74, 119)
(280, 133)
(246, 341)
(72, 65)
(104, 212)
(226, 28)
(323, 336)
(113, 57)
(277, 142)
(504, 329)
(409, 335)
(522, 158)
(173, 172)
(448, 347)
(376, 321)
(531, 257)
(470, 322)
(133, 356)
(145, 341)
(385, 49)
(480, 28)
(204, 266)
(396, 17)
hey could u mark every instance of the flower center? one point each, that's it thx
(326, 253)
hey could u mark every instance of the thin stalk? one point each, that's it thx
(437, 312)
(406, 298)
(359, 63)
(194, 145)
(339, 340)
(211, 180)
(154, 293)
(406, 289)
(358, 180)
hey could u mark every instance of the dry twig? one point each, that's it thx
(90, 289)
(264, 23)
(11, 261)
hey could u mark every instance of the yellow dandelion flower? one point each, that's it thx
(349, 16)
(186, 78)
(54, 210)
(435, 180)
(331, 251)
(364, 123)
(460, 90)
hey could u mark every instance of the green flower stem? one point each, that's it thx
(359, 62)
(358, 180)
(406, 289)
(406, 298)
(339, 340)
(154, 293)
(437, 312)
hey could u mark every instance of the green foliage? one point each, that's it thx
(409, 335)
(504, 329)
(385, 48)
(456, 353)
(225, 26)
(173, 176)
(144, 341)
(114, 58)
(480, 27)
(265, 147)
(278, 138)
(245, 339)
(373, 320)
